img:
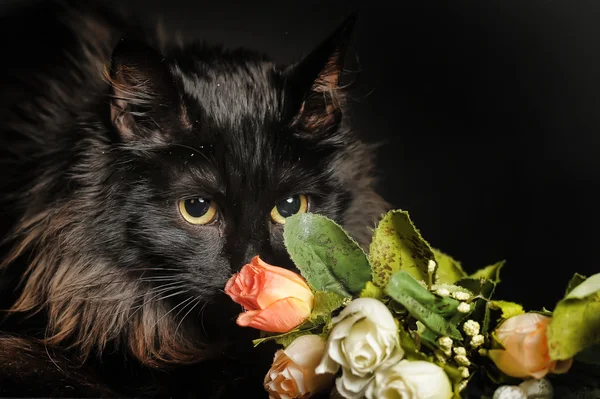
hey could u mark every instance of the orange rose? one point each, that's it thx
(275, 299)
(525, 352)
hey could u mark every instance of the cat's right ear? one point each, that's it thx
(144, 102)
(316, 96)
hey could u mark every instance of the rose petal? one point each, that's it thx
(351, 386)
(327, 365)
(371, 308)
(282, 316)
(535, 357)
(507, 364)
(522, 324)
(288, 274)
(243, 287)
(306, 351)
(276, 287)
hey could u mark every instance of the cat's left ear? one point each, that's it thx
(145, 104)
(316, 96)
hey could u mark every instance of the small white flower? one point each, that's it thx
(443, 292)
(471, 328)
(539, 389)
(364, 336)
(462, 360)
(440, 356)
(410, 379)
(509, 392)
(483, 352)
(464, 307)
(431, 266)
(461, 296)
(464, 372)
(445, 342)
(462, 385)
(477, 340)
(460, 350)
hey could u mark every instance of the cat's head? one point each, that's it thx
(196, 161)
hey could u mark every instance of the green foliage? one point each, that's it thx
(398, 245)
(491, 272)
(424, 306)
(325, 255)
(575, 324)
(449, 270)
(372, 291)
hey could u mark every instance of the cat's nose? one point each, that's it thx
(245, 252)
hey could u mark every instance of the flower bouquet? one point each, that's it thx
(406, 321)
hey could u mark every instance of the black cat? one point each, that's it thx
(138, 175)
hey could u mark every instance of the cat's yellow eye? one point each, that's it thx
(288, 207)
(198, 210)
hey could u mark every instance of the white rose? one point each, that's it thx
(364, 336)
(410, 380)
(292, 374)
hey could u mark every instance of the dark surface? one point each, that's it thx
(487, 113)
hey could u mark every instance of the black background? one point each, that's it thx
(487, 113)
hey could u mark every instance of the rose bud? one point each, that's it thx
(275, 299)
(292, 374)
(525, 352)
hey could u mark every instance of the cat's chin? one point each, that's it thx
(218, 323)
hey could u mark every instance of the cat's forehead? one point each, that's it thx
(230, 88)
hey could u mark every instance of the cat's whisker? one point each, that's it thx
(202, 319)
(196, 302)
(69, 293)
(174, 307)
(153, 299)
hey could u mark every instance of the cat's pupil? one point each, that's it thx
(289, 206)
(197, 207)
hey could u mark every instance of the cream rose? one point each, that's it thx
(364, 336)
(292, 374)
(410, 380)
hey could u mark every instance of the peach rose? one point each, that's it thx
(275, 299)
(292, 374)
(525, 352)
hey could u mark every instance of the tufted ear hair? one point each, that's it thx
(316, 96)
(144, 100)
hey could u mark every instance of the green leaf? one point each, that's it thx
(411, 348)
(428, 337)
(282, 339)
(429, 309)
(491, 272)
(585, 288)
(371, 291)
(444, 306)
(449, 270)
(325, 304)
(575, 326)
(574, 282)
(325, 255)
(398, 245)
(508, 309)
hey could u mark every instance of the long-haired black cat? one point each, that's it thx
(139, 174)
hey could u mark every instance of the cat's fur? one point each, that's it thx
(103, 128)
